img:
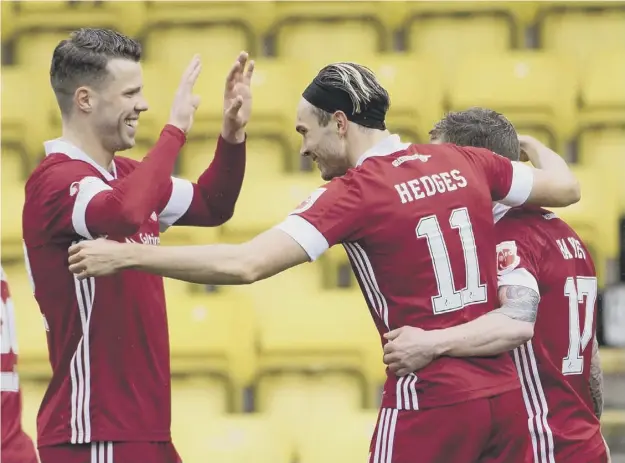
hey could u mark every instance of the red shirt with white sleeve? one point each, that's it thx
(108, 337)
(417, 224)
(538, 250)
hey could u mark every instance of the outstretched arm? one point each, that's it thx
(596, 379)
(410, 349)
(267, 254)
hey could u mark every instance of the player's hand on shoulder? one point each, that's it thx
(238, 99)
(96, 258)
(528, 146)
(409, 349)
(185, 102)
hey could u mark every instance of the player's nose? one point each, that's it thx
(141, 105)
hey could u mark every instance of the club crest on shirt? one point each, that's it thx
(308, 202)
(507, 257)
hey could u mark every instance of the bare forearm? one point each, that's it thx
(218, 264)
(498, 331)
(555, 183)
(490, 334)
(596, 380)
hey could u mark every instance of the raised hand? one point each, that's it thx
(237, 99)
(185, 102)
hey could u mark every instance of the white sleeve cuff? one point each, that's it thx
(306, 235)
(85, 190)
(521, 187)
(179, 202)
(518, 277)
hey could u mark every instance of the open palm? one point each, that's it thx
(238, 94)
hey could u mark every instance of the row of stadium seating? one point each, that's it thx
(313, 425)
(249, 337)
(540, 91)
(326, 30)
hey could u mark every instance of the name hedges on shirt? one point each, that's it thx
(430, 185)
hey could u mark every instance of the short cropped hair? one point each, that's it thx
(82, 59)
(479, 127)
(360, 84)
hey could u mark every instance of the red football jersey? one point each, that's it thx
(107, 337)
(16, 445)
(417, 224)
(538, 250)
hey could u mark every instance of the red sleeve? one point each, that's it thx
(518, 254)
(330, 215)
(210, 201)
(75, 200)
(510, 182)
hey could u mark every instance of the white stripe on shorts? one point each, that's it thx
(385, 436)
(102, 452)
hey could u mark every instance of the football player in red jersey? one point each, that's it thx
(417, 224)
(16, 446)
(109, 398)
(547, 280)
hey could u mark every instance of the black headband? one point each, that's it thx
(331, 99)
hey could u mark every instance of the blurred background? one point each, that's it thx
(264, 373)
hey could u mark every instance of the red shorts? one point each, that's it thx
(111, 452)
(20, 449)
(490, 430)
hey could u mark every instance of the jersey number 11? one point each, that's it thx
(450, 299)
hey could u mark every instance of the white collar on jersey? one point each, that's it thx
(59, 145)
(388, 145)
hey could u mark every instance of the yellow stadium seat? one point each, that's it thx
(14, 170)
(233, 439)
(603, 151)
(602, 95)
(176, 45)
(415, 86)
(582, 29)
(27, 107)
(346, 438)
(292, 400)
(211, 334)
(450, 30)
(595, 218)
(331, 331)
(263, 205)
(535, 90)
(31, 333)
(8, 20)
(196, 395)
(272, 116)
(217, 30)
(126, 17)
(40, 26)
(32, 396)
(326, 32)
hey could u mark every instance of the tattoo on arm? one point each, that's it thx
(518, 302)
(596, 379)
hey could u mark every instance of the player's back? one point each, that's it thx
(425, 257)
(554, 367)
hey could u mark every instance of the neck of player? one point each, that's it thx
(363, 141)
(89, 142)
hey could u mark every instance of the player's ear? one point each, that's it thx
(83, 98)
(341, 122)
